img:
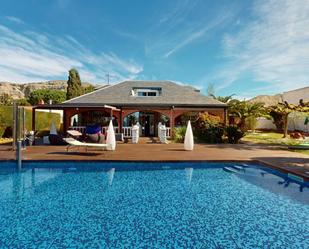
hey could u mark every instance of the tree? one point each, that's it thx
(74, 88)
(245, 110)
(283, 110)
(89, 89)
(56, 96)
(224, 99)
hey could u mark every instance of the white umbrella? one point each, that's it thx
(189, 142)
(111, 139)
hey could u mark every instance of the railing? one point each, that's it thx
(81, 129)
(127, 130)
(104, 129)
(168, 131)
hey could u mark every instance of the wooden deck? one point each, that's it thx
(272, 156)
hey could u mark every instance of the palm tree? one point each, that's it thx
(244, 110)
(224, 99)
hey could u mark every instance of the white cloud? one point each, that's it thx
(14, 19)
(194, 35)
(273, 48)
(30, 56)
(180, 26)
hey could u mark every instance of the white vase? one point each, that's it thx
(189, 142)
(111, 139)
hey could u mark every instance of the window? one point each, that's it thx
(146, 92)
(140, 94)
(152, 94)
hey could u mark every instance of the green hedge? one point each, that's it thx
(43, 119)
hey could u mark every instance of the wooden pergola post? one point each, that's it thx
(64, 120)
(33, 119)
(172, 121)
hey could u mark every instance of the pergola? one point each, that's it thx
(70, 110)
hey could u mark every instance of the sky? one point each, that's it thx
(238, 47)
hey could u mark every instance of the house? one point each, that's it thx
(129, 102)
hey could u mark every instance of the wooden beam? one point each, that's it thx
(33, 119)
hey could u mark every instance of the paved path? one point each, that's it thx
(285, 160)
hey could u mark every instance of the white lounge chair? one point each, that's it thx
(75, 143)
(74, 133)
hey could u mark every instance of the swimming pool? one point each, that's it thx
(170, 205)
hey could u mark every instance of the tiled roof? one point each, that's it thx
(121, 95)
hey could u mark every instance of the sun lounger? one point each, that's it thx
(75, 143)
(74, 133)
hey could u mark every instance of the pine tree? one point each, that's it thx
(74, 88)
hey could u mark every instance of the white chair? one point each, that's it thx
(75, 143)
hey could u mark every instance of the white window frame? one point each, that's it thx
(137, 91)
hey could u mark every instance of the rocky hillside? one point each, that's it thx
(291, 97)
(19, 91)
(268, 100)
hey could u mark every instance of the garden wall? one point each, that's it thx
(296, 122)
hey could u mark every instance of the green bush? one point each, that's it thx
(208, 129)
(56, 96)
(179, 134)
(234, 134)
(212, 134)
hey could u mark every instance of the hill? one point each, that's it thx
(19, 91)
(291, 97)
(268, 100)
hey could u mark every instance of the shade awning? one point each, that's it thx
(65, 106)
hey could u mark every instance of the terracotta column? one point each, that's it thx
(172, 121)
(120, 120)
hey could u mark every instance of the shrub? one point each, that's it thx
(207, 128)
(234, 134)
(212, 135)
(179, 134)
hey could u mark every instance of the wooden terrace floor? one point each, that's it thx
(270, 155)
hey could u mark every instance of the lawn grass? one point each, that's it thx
(43, 119)
(273, 138)
(270, 138)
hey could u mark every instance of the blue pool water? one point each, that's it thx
(170, 205)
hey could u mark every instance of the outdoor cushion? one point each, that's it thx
(95, 138)
(93, 129)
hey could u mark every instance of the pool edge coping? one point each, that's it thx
(266, 164)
